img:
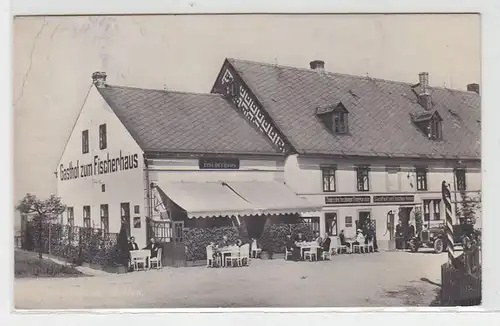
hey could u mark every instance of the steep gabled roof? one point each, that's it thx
(380, 111)
(177, 122)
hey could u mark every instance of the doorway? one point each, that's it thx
(363, 220)
(404, 216)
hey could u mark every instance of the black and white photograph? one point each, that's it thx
(247, 161)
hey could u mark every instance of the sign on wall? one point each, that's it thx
(98, 167)
(346, 199)
(393, 199)
(219, 163)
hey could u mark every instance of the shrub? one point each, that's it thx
(274, 236)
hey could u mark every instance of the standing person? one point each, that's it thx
(342, 239)
(292, 247)
(399, 235)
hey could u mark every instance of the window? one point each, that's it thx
(71, 216)
(421, 179)
(331, 223)
(435, 131)
(328, 179)
(125, 215)
(105, 218)
(137, 209)
(348, 221)
(437, 209)
(85, 141)
(103, 188)
(460, 175)
(427, 210)
(313, 222)
(103, 143)
(86, 216)
(362, 178)
(392, 178)
(137, 222)
(340, 122)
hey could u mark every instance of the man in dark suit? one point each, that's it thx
(132, 245)
(153, 247)
(399, 235)
(292, 247)
(325, 244)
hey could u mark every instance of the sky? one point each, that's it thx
(54, 58)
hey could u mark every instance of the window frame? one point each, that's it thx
(360, 169)
(87, 218)
(70, 215)
(420, 170)
(436, 204)
(426, 203)
(329, 229)
(326, 171)
(463, 171)
(85, 141)
(105, 217)
(103, 137)
(435, 129)
(340, 124)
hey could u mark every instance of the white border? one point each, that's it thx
(490, 142)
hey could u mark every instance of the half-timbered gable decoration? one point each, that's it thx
(233, 87)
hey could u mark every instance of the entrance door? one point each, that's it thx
(404, 216)
(363, 220)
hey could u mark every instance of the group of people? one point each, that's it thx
(152, 246)
(224, 243)
(362, 237)
(293, 245)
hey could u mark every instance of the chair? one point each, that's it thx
(310, 253)
(156, 260)
(327, 252)
(340, 247)
(234, 255)
(255, 250)
(369, 246)
(138, 258)
(359, 246)
(244, 255)
(210, 256)
(287, 253)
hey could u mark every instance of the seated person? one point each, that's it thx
(153, 247)
(292, 247)
(317, 238)
(132, 245)
(360, 238)
(239, 243)
(300, 237)
(325, 245)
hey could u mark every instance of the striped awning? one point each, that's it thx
(210, 199)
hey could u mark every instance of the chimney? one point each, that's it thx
(473, 88)
(99, 79)
(317, 65)
(424, 97)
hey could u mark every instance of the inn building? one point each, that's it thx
(362, 147)
(270, 141)
(160, 162)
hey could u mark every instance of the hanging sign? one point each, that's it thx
(219, 163)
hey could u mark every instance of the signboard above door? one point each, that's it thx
(346, 199)
(219, 163)
(393, 199)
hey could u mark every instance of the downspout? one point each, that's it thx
(149, 199)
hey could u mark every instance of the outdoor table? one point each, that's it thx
(141, 254)
(307, 245)
(225, 251)
(350, 242)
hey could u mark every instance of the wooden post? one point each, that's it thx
(449, 221)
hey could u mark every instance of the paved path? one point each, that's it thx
(380, 279)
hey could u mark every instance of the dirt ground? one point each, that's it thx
(369, 280)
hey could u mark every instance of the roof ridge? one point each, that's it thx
(349, 75)
(163, 91)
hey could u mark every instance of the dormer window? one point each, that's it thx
(430, 124)
(334, 117)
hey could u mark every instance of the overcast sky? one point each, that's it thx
(54, 58)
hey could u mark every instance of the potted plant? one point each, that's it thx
(266, 253)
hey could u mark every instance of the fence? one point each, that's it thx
(75, 244)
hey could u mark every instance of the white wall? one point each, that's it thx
(120, 186)
(304, 176)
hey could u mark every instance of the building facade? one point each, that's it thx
(363, 147)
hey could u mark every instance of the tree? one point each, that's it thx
(42, 212)
(469, 207)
